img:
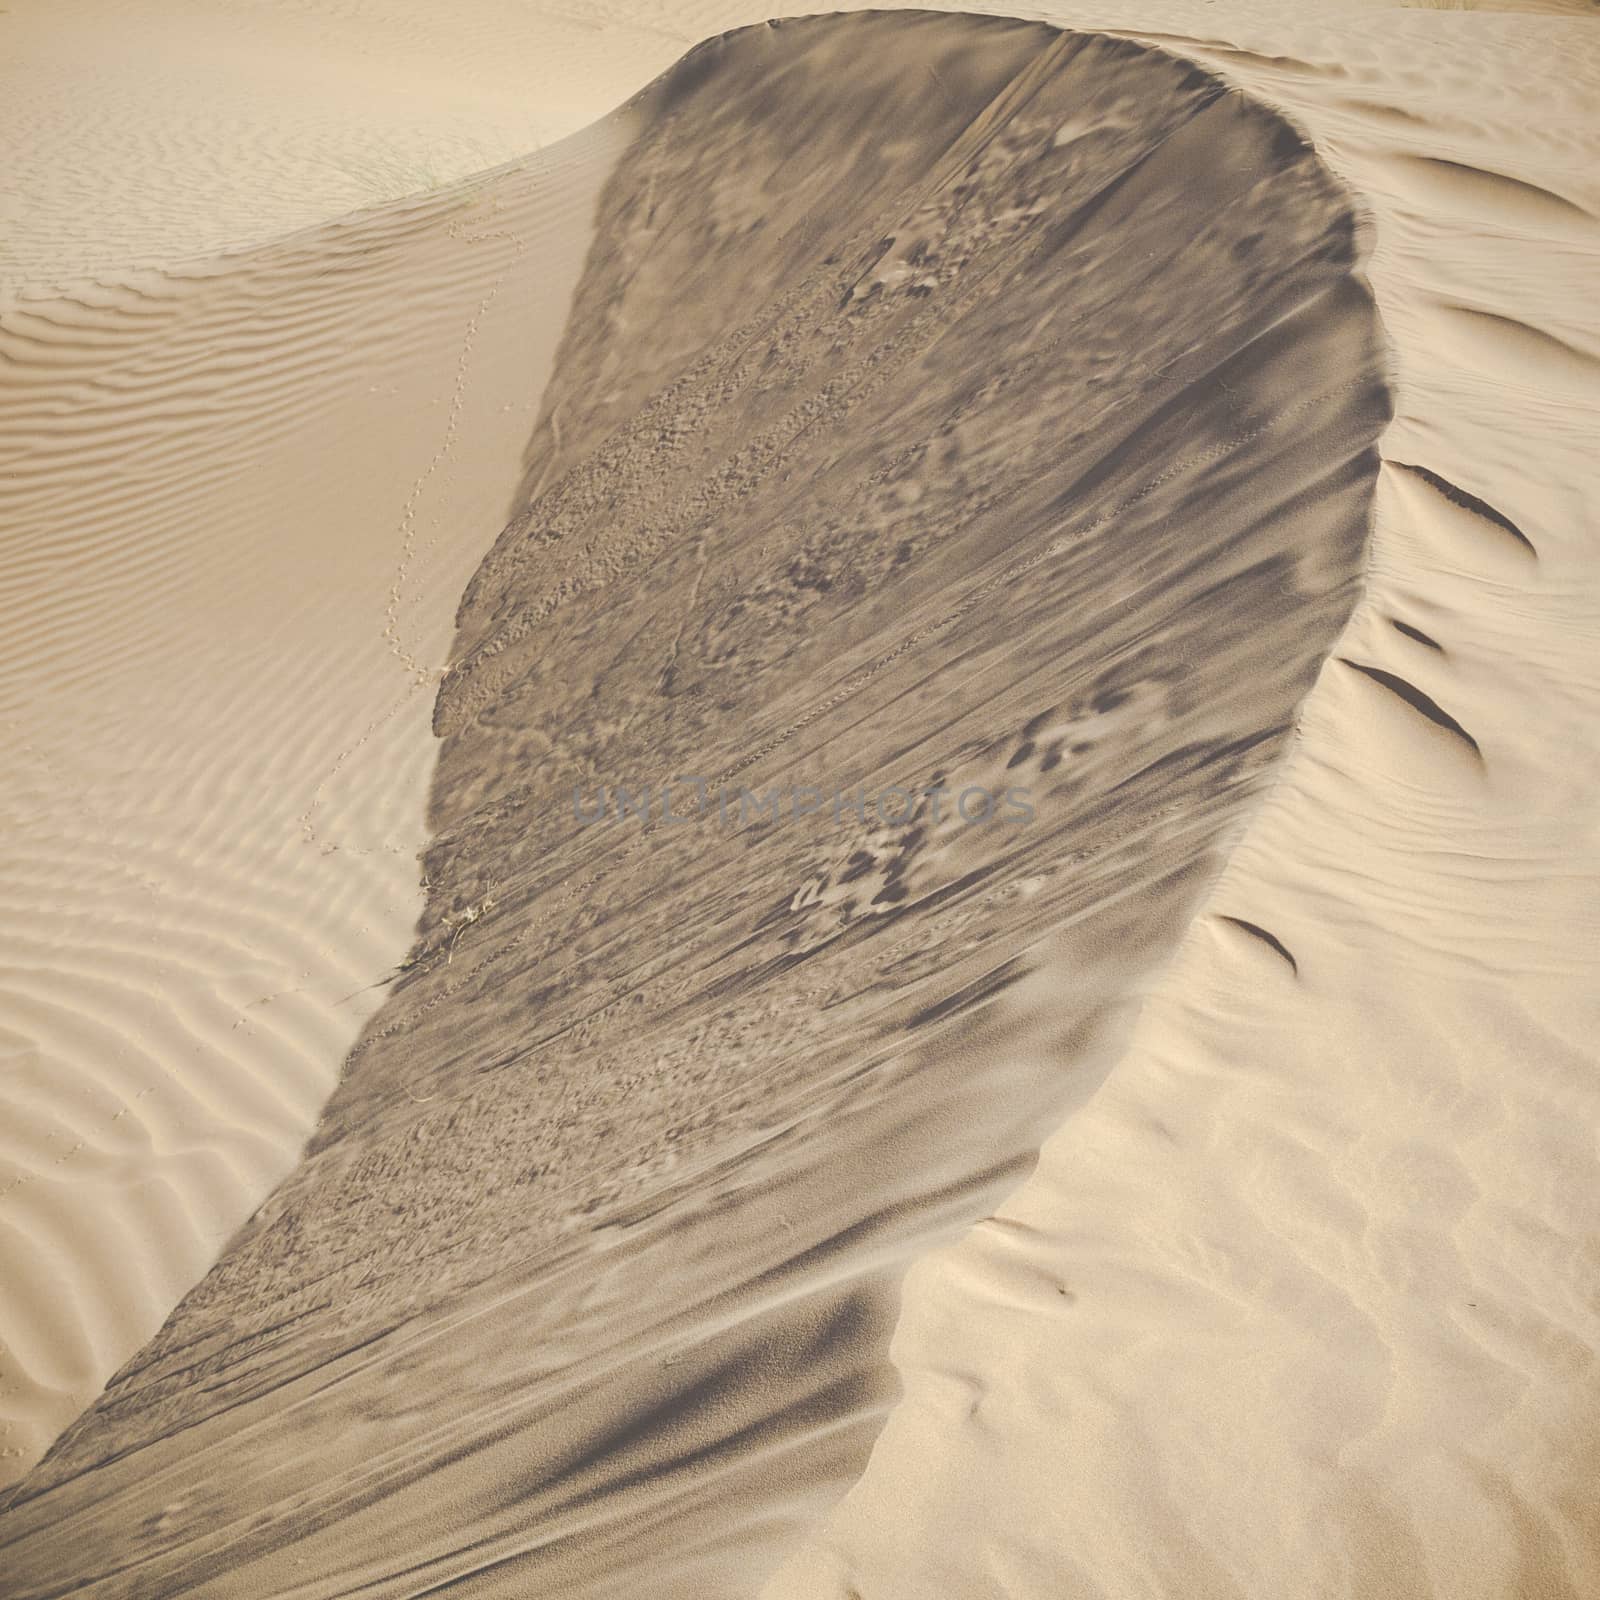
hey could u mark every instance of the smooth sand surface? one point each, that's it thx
(1299, 1299)
(1308, 1289)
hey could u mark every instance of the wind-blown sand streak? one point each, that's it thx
(865, 461)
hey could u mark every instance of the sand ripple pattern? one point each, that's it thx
(239, 501)
(887, 444)
(154, 136)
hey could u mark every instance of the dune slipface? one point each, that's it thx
(1016, 435)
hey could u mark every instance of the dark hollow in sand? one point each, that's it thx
(945, 402)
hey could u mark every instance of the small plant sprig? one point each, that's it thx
(455, 922)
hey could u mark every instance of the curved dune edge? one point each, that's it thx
(239, 498)
(746, 1076)
(1302, 1302)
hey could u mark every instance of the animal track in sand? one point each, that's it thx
(421, 675)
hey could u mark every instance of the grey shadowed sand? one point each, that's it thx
(944, 401)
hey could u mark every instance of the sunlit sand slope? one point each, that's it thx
(239, 501)
(947, 405)
(1303, 1303)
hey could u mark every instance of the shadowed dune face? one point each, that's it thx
(946, 406)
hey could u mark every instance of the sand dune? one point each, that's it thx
(589, 1277)
(709, 1088)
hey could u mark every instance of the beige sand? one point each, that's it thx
(791, 533)
(156, 130)
(1348, 1353)
(240, 501)
(1307, 1293)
